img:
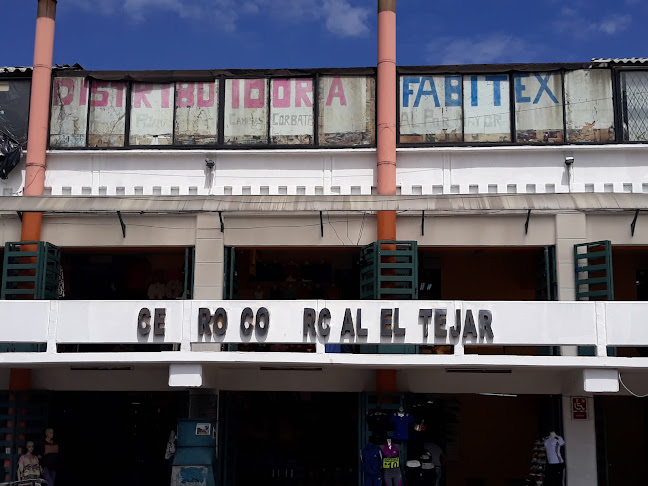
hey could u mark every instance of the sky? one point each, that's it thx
(254, 34)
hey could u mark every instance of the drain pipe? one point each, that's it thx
(20, 378)
(39, 115)
(386, 142)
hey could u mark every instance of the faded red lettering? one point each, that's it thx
(120, 87)
(211, 90)
(99, 97)
(281, 93)
(140, 91)
(235, 93)
(250, 86)
(61, 84)
(185, 95)
(336, 91)
(303, 87)
(84, 92)
(166, 95)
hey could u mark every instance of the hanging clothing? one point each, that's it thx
(401, 425)
(371, 459)
(378, 422)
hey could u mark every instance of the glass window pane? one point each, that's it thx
(635, 103)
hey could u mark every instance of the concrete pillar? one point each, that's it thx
(580, 445)
(571, 229)
(208, 276)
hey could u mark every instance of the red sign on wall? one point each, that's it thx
(579, 408)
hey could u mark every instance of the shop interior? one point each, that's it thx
(284, 438)
(126, 274)
(108, 438)
(621, 440)
(310, 439)
(462, 273)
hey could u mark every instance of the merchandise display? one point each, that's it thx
(371, 461)
(401, 421)
(391, 464)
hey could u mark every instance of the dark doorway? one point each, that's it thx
(109, 438)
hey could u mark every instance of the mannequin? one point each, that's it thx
(49, 457)
(28, 465)
(391, 464)
(554, 474)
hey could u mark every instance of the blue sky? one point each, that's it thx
(222, 34)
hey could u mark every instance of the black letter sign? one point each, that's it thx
(158, 322)
(246, 327)
(309, 322)
(144, 321)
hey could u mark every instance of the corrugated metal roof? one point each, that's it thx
(625, 60)
(438, 205)
(15, 69)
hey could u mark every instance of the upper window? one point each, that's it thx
(634, 101)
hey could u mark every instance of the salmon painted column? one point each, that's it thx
(39, 115)
(386, 141)
(37, 139)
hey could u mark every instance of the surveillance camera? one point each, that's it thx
(209, 163)
(569, 160)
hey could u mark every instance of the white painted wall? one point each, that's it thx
(442, 170)
(597, 324)
(580, 445)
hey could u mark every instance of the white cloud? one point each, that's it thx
(575, 23)
(614, 24)
(344, 19)
(340, 17)
(476, 50)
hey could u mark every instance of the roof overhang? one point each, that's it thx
(439, 205)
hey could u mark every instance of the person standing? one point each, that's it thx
(28, 464)
(49, 457)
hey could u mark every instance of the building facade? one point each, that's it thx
(211, 254)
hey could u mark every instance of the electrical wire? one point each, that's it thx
(630, 391)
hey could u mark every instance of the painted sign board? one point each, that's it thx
(107, 124)
(196, 117)
(151, 117)
(431, 109)
(487, 106)
(246, 111)
(588, 105)
(69, 114)
(538, 107)
(346, 110)
(291, 111)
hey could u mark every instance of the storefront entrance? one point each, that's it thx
(283, 438)
(622, 440)
(109, 438)
(305, 439)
